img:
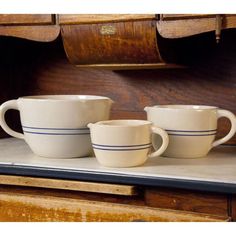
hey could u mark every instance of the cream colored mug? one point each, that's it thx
(191, 128)
(125, 143)
(56, 126)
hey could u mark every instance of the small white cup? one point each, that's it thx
(56, 126)
(191, 128)
(125, 143)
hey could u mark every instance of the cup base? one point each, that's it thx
(118, 160)
(60, 146)
(184, 157)
(61, 157)
(119, 166)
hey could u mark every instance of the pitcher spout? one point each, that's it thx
(90, 125)
(146, 109)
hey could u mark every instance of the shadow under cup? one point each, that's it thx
(191, 128)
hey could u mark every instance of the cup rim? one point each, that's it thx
(126, 123)
(185, 107)
(66, 97)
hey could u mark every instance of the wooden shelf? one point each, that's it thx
(216, 172)
(116, 189)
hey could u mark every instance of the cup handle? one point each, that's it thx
(12, 104)
(165, 141)
(231, 117)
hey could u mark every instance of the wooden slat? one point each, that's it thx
(184, 16)
(45, 33)
(101, 18)
(42, 208)
(187, 200)
(137, 200)
(16, 19)
(132, 66)
(116, 189)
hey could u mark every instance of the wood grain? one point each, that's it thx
(132, 42)
(233, 208)
(36, 33)
(40, 208)
(137, 200)
(30, 19)
(202, 202)
(187, 27)
(115, 189)
(101, 18)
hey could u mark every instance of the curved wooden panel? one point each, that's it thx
(120, 43)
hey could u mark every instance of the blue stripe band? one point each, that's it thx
(191, 131)
(136, 145)
(56, 133)
(192, 134)
(28, 127)
(107, 149)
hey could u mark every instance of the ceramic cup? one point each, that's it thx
(191, 128)
(56, 126)
(125, 143)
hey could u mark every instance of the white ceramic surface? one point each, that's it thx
(219, 167)
(125, 143)
(56, 126)
(191, 128)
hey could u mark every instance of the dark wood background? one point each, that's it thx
(30, 68)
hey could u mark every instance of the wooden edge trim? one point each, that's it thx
(26, 19)
(115, 189)
(167, 17)
(102, 18)
(132, 66)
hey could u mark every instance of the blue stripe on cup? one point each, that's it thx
(121, 147)
(56, 131)
(210, 132)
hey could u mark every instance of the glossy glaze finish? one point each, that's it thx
(191, 128)
(125, 143)
(56, 126)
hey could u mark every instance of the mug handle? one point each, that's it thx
(231, 117)
(12, 104)
(165, 141)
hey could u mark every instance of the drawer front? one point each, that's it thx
(32, 207)
(186, 200)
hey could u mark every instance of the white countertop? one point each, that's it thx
(219, 166)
